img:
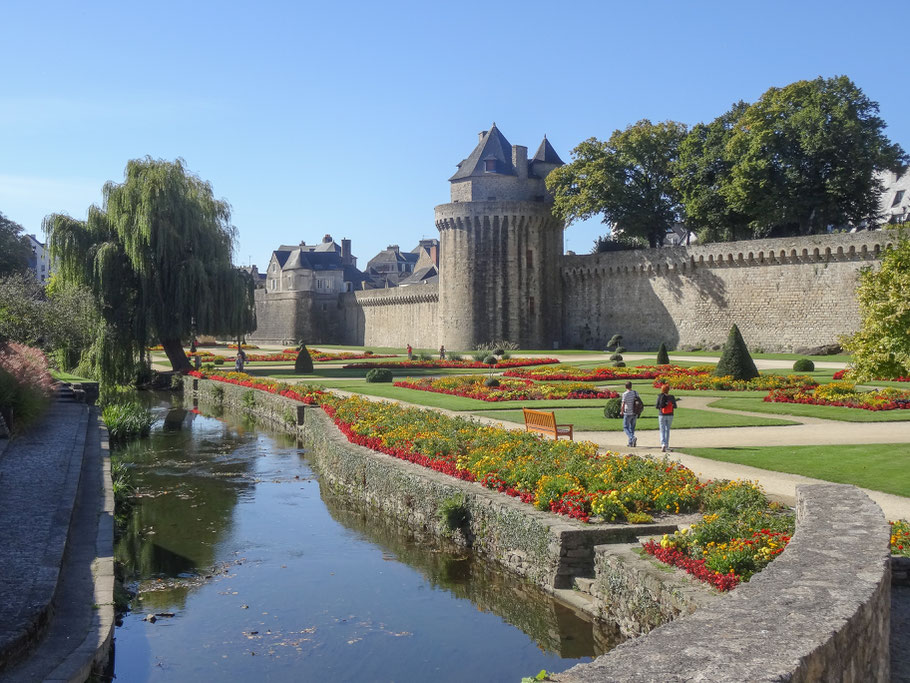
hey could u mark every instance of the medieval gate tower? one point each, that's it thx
(500, 248)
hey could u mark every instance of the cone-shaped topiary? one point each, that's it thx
(303, 365)
(735, 360)
(663, 358)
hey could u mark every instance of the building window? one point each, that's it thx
(529, 256)
(898, 196)
(274, 284)
(530, 305)
(489, 165)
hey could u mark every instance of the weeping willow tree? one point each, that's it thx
(157, 257)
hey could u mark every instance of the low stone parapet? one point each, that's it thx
(819, 612)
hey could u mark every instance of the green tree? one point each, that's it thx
(303, 365)
(735, 360)
(626, 179)
(157, 257)
(805, 157)
(15, 251)
(663, 358)
(702, 170)
(881, 347)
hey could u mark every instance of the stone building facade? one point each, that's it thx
(503, 276)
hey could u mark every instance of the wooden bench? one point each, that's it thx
(544, 422)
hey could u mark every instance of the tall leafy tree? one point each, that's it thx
(15, 251)
(701, 171)
(881, 347)
(626, 179)
(157, 256)
(804, 158)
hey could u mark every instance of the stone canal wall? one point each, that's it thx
(820, 611)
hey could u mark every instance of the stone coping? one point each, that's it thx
(820, 611)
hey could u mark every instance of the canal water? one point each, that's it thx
(246, 570)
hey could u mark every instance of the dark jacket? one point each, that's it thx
(664, 399)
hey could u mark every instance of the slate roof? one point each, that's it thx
(546, 153)
(493, 146)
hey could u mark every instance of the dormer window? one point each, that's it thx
(489, 164)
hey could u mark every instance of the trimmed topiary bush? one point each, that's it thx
(379, 375)
(613, 409)
(619, 364)
(803, 365)
(303, 365)
(491, 382)
(735, 360)
(499, 351)
(620, 349)
(615, 340)
(219, 360)
(616, 356)
(663, 358)
(490, 360)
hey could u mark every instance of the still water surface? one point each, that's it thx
(268, 578)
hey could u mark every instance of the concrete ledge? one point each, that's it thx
(819, 612)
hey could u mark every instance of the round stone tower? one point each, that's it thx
(499, 248)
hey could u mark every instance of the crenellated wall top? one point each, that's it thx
(395, 296)
(494, 208)
(862, 246)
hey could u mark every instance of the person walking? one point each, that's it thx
(666, 406)
(629, 412)
(240, 360)
(442, 353)
(410, 352)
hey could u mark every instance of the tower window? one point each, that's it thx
(489, 165)
(530, 305)
(529, 255)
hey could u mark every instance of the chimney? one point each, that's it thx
(434, 253)
(520, 160)
(327, 238)
(345, 252)
(480, 136)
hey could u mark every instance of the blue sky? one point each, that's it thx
(347, 118)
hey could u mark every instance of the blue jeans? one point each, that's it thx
(664, 422)
(628, 426)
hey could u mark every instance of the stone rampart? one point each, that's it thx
(391, 317)
(819, 612)
(285, 317)
(782, 293)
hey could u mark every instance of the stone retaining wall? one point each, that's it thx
(819, 612)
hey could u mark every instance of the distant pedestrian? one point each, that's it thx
(666, 405)
(240, 360)
(193, 346)
(442, 353)
(631, 408)
(410, 353)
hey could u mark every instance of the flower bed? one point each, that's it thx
(326, 357)
(843, 394)
(572, 373)
(900, 538)
(436, 363)
(843, 374)
(472, 386)
(305, 393)
(704, 380)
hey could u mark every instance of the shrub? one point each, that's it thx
(479, 356)
(735, 360)
(249, 399)
(453, 512)
(126, 421)
(618, 364)
(423, 355)
(379, 375)
(367, 352)
(456, 357)
(490, 360)
(616, 356)
(613, 408)
(804, 365)
(219, 360)
(615, 340)
(208, 367)
(620, 349)
(505, 355)
(491, 382)
(303, 365)
(499, 351)
(663, 358)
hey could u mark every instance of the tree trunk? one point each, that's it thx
(174, 350)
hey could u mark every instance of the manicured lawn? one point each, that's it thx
(803, 410)
(67, 377)
(838, 358)
(593, 420)
(881, 467)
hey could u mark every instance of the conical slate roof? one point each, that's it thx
(493, 146)
(547, 154)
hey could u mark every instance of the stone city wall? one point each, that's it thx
(391, 317)
(286, 317)
(782, 293)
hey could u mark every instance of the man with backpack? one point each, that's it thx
(632, 405)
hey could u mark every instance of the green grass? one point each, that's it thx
(837, 358)
(67, 377)
(757, 405)
(593, 420)
(880, 467)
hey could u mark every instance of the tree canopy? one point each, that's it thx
(626, 179)
(15, 251)
(881, 347)
(157, 257)
(804, 158)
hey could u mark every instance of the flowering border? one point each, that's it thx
(506, 363)
(506, 392)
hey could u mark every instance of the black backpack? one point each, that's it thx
(638, 406)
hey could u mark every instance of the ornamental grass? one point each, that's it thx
(599, 374)
(845, 395)
(699, 378)
(472, 386)
(436, 363)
